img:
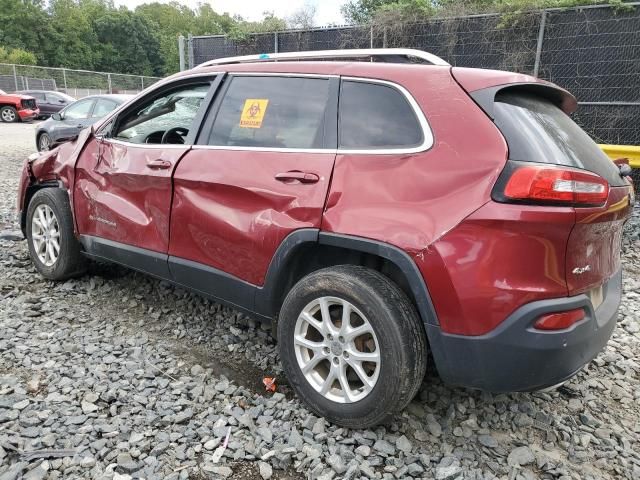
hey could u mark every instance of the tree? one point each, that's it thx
(94, 34)
(381, 11)
(304, 17)
(17, 55)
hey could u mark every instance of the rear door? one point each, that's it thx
(123, 177)
(54, 103)
(260, 170)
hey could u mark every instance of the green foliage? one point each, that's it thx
(17, 55)
(386, 11)
(95, 35)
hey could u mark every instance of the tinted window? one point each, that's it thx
(78, 110)
(538, 131)
(173, 110)
(272, 112)
(103, 107)
(39, 96)
(55, 98)
(374, 116)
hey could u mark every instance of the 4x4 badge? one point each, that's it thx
(581, 270)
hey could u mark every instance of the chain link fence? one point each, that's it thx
(77, 83)
(592, 51)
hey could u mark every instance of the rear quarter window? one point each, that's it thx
(376, 116)
(536, 130)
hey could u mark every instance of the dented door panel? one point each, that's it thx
(231, 213)
(121, 196)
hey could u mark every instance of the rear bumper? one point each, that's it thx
(516, 357)
(28, 114)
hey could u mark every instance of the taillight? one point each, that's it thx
(559, 321)
(525, 182)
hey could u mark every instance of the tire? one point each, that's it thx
(44, 142)
(9, 114)
(69, 261)
(398, 335)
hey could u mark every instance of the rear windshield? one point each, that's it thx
(538, 131)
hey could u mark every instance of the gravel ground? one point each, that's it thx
(116, 376)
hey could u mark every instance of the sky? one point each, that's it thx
(327, 11)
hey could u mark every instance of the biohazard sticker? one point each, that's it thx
(253, 112)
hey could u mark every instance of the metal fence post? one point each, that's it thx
(543, 22)
(64, 78)
(109, 81)
(371, 36)
(181, 52)
(384, 37)
(275, 42)
(142, 82)
(15, 77)
(190, 50)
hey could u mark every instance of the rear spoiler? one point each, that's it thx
(485, 98)
(483, 86)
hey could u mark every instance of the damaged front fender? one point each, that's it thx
(54, 168)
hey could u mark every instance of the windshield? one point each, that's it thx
(538, 131)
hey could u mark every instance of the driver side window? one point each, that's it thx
(163, 119)
(78, 110)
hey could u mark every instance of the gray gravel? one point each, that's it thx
(117, 376)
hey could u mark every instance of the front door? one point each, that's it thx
(74, 118)
(123, 178)
(260, 170)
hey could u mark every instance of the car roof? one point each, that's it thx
(118, 97)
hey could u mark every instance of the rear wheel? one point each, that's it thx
(352, 345)
(53, 247)
(8, 114)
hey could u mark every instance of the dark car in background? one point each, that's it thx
(73, 118)
(49, 102)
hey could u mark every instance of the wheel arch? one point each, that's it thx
(28, 195)
(308, 250)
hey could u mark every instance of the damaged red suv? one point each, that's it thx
(376, 210)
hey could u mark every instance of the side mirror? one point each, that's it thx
(62, 100)
(57, 116)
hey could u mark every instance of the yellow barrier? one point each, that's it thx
(623, 151)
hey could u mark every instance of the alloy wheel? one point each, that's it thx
(44, 142)
(45, 235)
(8, 115)
(337, 350)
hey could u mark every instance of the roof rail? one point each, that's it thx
(330, 54)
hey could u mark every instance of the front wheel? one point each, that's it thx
(8, 114)
(44, 142)
(352, 345)
(53, 247)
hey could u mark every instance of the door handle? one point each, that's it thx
(159, 164)
(302, 177)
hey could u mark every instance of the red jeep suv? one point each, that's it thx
(376, 210)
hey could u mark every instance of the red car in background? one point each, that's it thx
(377, 211)
(16, 107)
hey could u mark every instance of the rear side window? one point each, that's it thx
(272, 112)
(538, 131)
(376, 116)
